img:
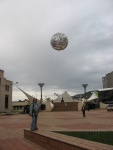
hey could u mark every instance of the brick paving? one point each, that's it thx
(12, 127)
(12, 133)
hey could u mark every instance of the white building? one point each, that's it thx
(5, 93)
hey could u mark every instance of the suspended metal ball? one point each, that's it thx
(59, 41)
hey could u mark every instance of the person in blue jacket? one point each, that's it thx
(34, 110)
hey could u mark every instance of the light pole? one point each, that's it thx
(84, 86)
(41, 85)
(15, 83)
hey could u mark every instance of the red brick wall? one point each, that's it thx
(50, 143)
(66, 106)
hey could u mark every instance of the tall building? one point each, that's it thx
(5, 93)
(108, 80)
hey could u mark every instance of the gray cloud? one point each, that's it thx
(26, 28)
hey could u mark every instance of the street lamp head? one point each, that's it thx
(14, 83)
(41, 84)
(84, 85)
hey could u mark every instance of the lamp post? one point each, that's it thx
(84, 86)
(41, 85)
(14, 83)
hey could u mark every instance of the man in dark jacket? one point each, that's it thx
(83, 110)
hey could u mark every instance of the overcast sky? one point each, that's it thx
(26, 55)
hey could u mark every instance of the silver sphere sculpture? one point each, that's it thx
(59, 41)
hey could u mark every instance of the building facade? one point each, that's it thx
(108, 80)
(5, 94)
(21, 106)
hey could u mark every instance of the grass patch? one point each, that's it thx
(101, 137)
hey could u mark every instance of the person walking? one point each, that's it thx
(34, 110)
(83, 110)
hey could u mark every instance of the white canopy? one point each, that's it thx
(28, 96)
(66, 97)
(105, 89)
(92, 98)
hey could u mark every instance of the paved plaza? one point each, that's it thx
(12, 126)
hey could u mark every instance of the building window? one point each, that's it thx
(6, 101)
(7, 87)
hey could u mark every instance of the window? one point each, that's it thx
(6, 101)
(7, 87)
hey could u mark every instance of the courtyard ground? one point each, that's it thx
(12, 126)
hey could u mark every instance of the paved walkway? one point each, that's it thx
(12, 127)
